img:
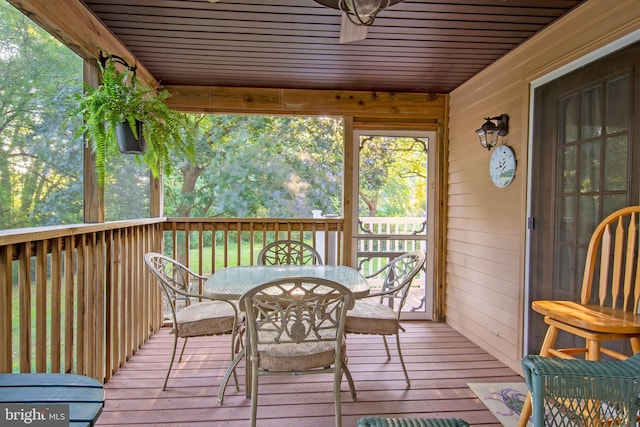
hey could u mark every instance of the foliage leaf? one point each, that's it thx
(121, 97)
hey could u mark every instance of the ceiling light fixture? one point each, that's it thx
(360, 12)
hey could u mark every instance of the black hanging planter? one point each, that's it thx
(127, 141)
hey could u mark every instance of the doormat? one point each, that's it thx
(504, 400)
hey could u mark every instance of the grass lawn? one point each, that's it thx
(194, 257)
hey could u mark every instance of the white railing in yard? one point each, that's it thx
(381, 239)
(392, 226)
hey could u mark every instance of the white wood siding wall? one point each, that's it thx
(485, 273)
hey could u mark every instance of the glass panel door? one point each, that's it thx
(393, 207)
(584, 147)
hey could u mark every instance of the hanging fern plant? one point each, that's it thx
(122, 99)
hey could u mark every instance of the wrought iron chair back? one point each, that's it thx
(296, 325)
(400, 272)
(283, 252)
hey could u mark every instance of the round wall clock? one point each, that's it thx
(502, 166)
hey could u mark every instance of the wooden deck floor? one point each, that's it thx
(440, 363)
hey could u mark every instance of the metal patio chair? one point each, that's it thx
(296, 326)
(193, 314)
(283, 252)
(379, 313)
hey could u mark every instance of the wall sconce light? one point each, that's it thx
(489, 132)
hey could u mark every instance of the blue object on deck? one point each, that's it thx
(85, 396)
(411, 422)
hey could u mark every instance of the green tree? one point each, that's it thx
(40, 164)
(260, 166)
(127, 188)
(392, 176)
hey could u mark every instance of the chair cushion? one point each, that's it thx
(296, 357)
(205, 318)
(369, 317)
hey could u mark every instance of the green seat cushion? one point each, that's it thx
(411, 422)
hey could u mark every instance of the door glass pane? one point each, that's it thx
(588, 217)
(581, 260)
(618, 105)
(570, 119)
(591, 113)
(613, 202)
(590, 166)
(615, 163)
(568, 169)
(565, 276)
(567, 219)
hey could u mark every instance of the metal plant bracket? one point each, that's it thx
(104, 58)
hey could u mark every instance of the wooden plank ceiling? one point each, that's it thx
(413, 46)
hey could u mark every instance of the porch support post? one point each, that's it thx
(156, 197)
(93, 192)
(348, 255)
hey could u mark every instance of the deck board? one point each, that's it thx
(440, 363)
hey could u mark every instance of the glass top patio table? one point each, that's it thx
(232, 282)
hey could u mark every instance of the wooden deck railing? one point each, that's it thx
(77, 298)
(209, 244)
(238, 241)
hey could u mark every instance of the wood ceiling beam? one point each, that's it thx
(233, 100)
(71, 22)
(78, 28)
